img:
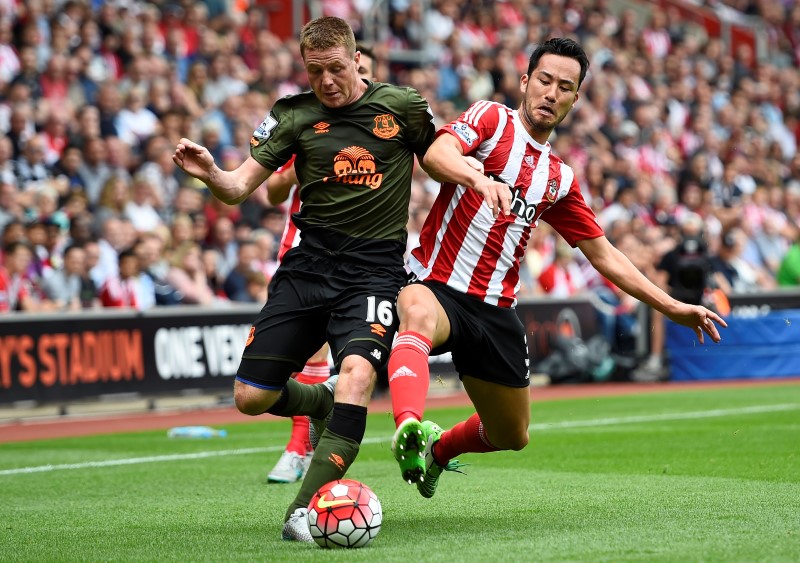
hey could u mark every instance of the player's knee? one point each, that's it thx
(511, 440)
(250, 403)
(418, 317)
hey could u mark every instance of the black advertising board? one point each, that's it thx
(72, 356)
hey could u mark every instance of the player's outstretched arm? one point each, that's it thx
(445, 162)
(230, 187)
(617, 268)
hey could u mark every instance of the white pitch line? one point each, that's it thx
(538, 426)
(665, 416)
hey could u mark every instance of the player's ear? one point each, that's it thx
(523, 83)
(575, 101)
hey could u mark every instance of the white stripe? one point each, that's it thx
(383, 439)
(474, 113)
(413, 341)
(661, 417)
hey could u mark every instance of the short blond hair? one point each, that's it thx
(327, 32)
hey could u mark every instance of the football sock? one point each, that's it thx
(334, 454)
(299, 399)
(463, 438)
(313, 372)
(298, 440)
(409, 375)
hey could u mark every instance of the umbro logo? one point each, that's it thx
(322, 127)
(402, 372)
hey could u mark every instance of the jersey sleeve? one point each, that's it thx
(272, 143)
(421, 130)
(572, 218)
(477, 124)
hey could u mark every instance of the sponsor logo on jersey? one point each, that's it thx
(322, 127)
(465, 132)
(355, 165)
(378, 329)
(376, 354)
(385, 126)
(552, 190)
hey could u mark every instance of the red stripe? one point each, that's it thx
(457, 228)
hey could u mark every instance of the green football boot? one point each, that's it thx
(427, 485)
(408, 447)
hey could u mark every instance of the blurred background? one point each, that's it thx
(120, 275)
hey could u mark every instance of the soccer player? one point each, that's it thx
(354, 143)
(282, 186)
(467, 269)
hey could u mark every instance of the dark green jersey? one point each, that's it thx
(354, 163)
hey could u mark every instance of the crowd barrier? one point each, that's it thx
(75, 356)
(762, 341)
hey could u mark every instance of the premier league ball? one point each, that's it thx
(344, 513)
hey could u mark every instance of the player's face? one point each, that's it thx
(333, 76)
(366, 68)
(549, 91)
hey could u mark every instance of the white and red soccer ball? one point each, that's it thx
(344, 513)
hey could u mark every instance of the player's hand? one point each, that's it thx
(496, 194)
(699, 319)
(193, 159)
(474, 163)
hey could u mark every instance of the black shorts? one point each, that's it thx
(487, 342)
(313, 299)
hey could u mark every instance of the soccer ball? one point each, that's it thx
(344, 513)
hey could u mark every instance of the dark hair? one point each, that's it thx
(327, 32)
(365, 50)
(71, 247)
(127, 253)
(564, 47)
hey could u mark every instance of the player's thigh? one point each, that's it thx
(505, 411)
(287, 332)
(420, 311)
(363, 320)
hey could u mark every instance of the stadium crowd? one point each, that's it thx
(671, 127)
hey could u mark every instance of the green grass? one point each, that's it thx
(701, 475)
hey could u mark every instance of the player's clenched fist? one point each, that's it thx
(193, 159)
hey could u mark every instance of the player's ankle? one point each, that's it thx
(403, 416)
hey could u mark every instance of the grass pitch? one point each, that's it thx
(700, 475)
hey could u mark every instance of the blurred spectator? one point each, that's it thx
(235, 285)
(16, 289)
(789, 269)
(731, 273)
(30, 168)
(130, 288)
(135, 123)
(150, 251)
(223, 242)
(140, 209)
(256, 288)
(94, 171)
(562, 277)
(188, 275)
(70, 288)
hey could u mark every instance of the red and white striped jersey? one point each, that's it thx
(462, 245)
(291, 234)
